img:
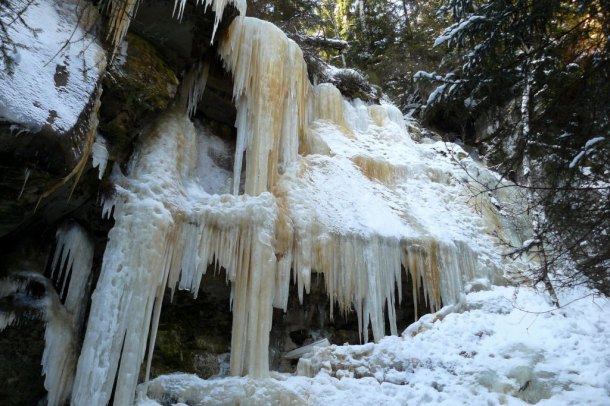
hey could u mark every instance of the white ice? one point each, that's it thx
(331, 186)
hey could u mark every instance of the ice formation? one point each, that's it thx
(195, 82)
(58, 356)
(72, 269)
(99, 155)
(176, 229)
(330, 186)
(72, 266)
(123, 11)
(271, 92)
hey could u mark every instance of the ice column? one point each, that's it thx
(271, 93)
(136, 264)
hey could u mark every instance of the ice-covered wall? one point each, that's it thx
(331, 186)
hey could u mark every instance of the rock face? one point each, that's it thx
(54, 89)
(48, 101)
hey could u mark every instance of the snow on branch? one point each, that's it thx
(589, 148)
(455, 29)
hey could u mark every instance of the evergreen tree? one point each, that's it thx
(542, 69)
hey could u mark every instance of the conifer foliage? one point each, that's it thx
(529, 82)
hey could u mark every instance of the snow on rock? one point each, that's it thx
(55, 65)
(71, 268)
(502, 346)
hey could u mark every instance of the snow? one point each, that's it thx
(455, 29)
(56, 73)
(505, 345)
(436, 94)
(593, 141)
(576, 159)
(586, 150)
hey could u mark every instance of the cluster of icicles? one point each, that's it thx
(169, 229)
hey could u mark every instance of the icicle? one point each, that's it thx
(25, 181)
(58, 357)
(99, 155)
(217, 5)
(243, 139)
(121, 13)
(74, 253)
(194, 83)
(271, 92)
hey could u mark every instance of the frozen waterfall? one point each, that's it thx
(320, 184)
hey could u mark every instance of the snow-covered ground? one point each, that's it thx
(504, 345)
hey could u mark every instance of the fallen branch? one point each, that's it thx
(323, 42)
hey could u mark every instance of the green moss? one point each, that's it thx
(137, 83)
(461, 155)
(169, 346)
(150, 82)
(212, 344)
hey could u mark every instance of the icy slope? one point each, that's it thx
(502, 346)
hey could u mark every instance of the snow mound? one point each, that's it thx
(502, 346)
